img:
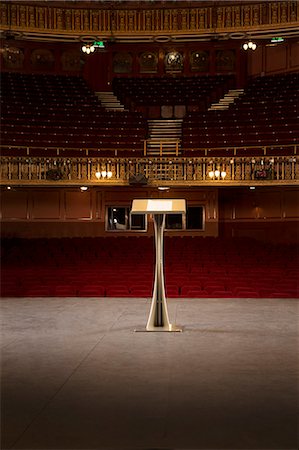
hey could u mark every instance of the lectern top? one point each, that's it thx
(159, 206)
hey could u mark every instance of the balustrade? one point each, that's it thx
(268, 170)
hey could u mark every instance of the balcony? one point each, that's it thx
(158, 171)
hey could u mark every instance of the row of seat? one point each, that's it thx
(115, 267)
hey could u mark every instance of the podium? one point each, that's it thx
(158, 319)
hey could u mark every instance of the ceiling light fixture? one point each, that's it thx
(249, 45)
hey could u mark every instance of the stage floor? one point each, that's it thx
(76, 376)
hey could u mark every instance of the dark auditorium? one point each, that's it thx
(149, 224)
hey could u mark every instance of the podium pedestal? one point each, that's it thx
(158, 319)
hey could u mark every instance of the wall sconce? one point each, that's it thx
(104, 174)
(249, 45)
(88, 48)
(217, 174)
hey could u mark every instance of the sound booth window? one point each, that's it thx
(118, 218)
(193, 220)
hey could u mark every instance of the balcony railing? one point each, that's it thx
(265, 170)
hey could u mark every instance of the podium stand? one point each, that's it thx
(158, 319)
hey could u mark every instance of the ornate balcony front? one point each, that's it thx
(147, 19)
(177, 171)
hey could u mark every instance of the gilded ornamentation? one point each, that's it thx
(202, 18)
(148, 22)
(283, 15)
(59, 19)
(256, 15)
(193, 19)
(19, 16)
(175, 20)
(13, 17)
(131, 20)
(41, 18)
(86, 19)
(237, 16)
(219, 18)
(122, 15)
(95, 20)
(31, 17)
(77, 20)
(246, 16)
(184, 15)
(68, 19)
(23, 16)
(274, 8)
(228, 21)
(166, 20)
(4, 20)
(173, 62)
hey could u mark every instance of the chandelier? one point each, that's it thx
(249, 45)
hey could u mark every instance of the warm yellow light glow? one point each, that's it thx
(211, 174)
(98, 175)
(217, 173)
(104, 173)
(109, 174)
(223, 174)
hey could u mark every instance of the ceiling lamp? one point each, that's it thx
(249, 45)
(88, 48)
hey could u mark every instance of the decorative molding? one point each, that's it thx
(147, 20)
(264, 170)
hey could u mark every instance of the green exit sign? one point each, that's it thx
(99, 44)
(277, 39)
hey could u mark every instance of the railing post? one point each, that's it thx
(144, 147)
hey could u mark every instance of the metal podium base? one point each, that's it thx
(170, 329)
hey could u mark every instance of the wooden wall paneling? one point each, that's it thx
(14, 205)
(276, 58)
(294, 55)
(46, 204)
(290, 204)
(255, 61)
(269, 204)
(246, 206)
(78, 205)
(99, 205)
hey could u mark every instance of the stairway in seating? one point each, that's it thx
(109, 101)
(165, 134)
(227, 100)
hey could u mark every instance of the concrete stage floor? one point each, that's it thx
(76, 376)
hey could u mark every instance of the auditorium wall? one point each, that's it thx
(271, 59)
(267, 214)
(264, 213)
(58, 212)
(132, 60)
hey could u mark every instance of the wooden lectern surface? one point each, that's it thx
(159, 206)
